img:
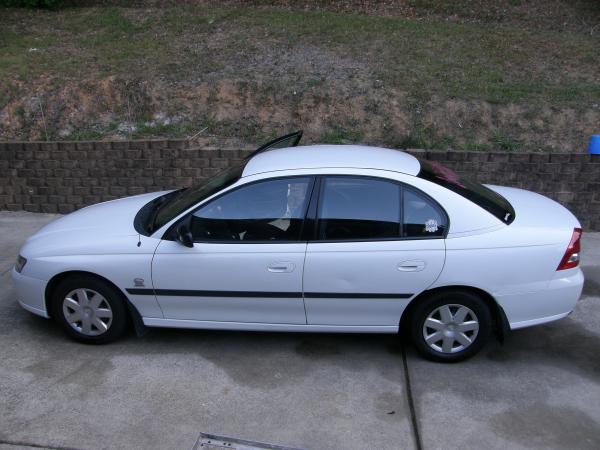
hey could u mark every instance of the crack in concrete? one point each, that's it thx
(411, 403)
(35, 445)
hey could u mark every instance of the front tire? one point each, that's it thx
(450, 326)
(89, 309)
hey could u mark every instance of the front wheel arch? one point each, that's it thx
(500, 323)
(56, 279)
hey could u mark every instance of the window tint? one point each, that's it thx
(186, 198)
(359, 208)
(477, 193)
(265, 211)
(421, 217)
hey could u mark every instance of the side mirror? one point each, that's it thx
(184, 235)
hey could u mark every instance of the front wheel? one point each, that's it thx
(450, 326)
(89, 309)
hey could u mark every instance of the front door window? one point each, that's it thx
(266, 211)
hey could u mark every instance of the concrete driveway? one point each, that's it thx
(540, 389)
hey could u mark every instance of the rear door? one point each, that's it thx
(377, 244)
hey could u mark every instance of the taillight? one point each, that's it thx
(571, 258)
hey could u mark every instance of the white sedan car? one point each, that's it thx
(313, 238)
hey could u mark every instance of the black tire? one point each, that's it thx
(112, 296)
(427, 305)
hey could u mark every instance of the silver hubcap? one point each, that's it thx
(450, 328)
(87, 312)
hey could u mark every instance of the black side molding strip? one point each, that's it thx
(194, 293)
(140, 291)
(353, 295)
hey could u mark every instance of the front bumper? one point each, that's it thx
(30, 293)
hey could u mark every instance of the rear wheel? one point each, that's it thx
(89, 310)
(450, 326)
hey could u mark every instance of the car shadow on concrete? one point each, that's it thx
(254, 359)
(566, 343)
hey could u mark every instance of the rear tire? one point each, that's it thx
(89, 309)
(450, 326)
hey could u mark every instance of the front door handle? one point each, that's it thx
(411, 266)
(281, 267)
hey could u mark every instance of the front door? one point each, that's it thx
(247, 261)
(378, 244)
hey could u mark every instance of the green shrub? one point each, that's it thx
(31, 3)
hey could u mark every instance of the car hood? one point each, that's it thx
(90, 225)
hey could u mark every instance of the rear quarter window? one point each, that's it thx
(421, 217)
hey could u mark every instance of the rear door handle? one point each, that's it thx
(411, 266)
(281, 267)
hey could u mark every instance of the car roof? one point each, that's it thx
(332, 156)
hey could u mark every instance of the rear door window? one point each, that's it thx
(355, 208)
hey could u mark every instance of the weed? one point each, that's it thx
(20, 112)
(474, 146)
(504, 142)
(411, 140)
(314, 82)
(84, 135)
(172, 130)
(342, 136)
(113, 126)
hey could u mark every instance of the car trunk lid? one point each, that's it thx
(534, 210)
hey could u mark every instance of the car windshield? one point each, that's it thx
(191, 196)
(479, 194)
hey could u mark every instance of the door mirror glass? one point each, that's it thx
(184, 235)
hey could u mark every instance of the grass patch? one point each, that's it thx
(282, 54)
(504, 142)
(342, 136)
(84, 135)
(423, 57)
(172, 130)
(425, 139)
(475, 147)
(113, 21)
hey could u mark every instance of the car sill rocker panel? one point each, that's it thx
(250, 326)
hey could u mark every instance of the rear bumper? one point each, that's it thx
(30, 293)
(553, 303)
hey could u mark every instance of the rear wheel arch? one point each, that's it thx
(500, 322)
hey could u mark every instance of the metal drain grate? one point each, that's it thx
(213, 442)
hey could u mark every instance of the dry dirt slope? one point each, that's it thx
(515, 76)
